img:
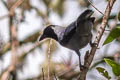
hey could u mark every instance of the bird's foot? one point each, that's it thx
(82, 67)
(93, 44)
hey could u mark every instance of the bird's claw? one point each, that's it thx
(93, 44)
(82, 67)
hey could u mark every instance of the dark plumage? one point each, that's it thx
(76, 36)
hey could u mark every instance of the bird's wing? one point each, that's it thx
(68, 33)
(59, 32)
(71, 29)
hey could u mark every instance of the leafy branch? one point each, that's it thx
(89, 57)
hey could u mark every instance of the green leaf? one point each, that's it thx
(115, 33)
(119, 16)
(103, 72)
(115, 66)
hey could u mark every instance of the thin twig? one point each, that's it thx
(5, 4)
(89, 60)
(43, 74)
(4, 16)
(107, 30)
(11, 10)
(18, 3)
(14, 45)
(55, 76)
(95, 7)
(49, 54)
(14, 42)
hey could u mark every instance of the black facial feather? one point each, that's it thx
(49, 33)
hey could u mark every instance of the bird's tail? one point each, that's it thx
(85, 15)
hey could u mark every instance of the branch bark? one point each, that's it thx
(11, 10)
(89, 57)
(14, 44)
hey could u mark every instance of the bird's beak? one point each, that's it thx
(42, 37)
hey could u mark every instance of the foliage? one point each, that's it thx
(115, 33)
(115, 66)
(103, 72)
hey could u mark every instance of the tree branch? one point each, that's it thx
(14, 44)
(31, 38)
(89, 57)
(95, 7)
(11, 10)
(5, 4)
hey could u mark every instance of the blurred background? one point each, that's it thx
(30, 60)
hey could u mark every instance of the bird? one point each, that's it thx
(75, 36)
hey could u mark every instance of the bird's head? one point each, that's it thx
(49, 33)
